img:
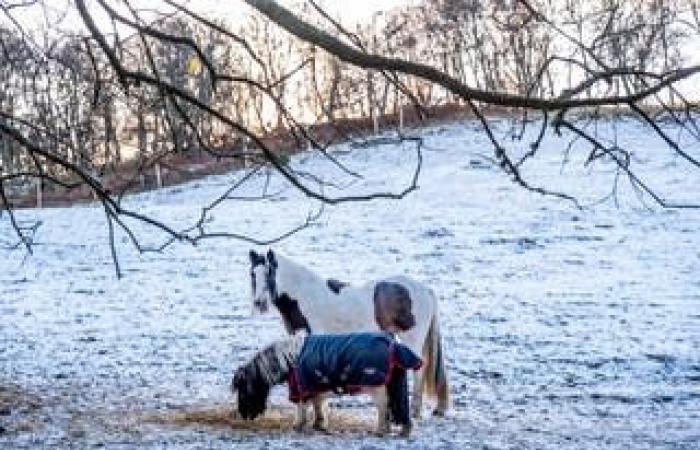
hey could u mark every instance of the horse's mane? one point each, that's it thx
(274, 362)
(293, 277)
(289, 265)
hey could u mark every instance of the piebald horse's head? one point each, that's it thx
(263, 282)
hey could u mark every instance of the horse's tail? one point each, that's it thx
(435, 373)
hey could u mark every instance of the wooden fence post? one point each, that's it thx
(246, 156)
(376, 119)
(39, 194)
(159, 179)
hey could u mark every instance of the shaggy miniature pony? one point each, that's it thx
(316, 365)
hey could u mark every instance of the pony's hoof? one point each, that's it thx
(438, 412)
(406, 430)
(320, 428)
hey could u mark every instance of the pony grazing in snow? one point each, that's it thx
(398, 305)
(315, 365)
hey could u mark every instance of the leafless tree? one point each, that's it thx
(100, 109)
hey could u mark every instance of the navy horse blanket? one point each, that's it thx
(346, 363)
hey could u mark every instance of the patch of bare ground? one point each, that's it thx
(219, 417)
(20, 411)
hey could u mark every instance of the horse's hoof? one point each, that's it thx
(438, 413)
(405, 430)
(381, 432)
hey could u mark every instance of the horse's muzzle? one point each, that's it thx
(260, 306)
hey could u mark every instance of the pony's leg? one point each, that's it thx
(381, 401)
(319, 413)
(300, 419)
(417, 397)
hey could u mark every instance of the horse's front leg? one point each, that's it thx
(417, 397)
(300, 419)
(319, 413)
(381, 400)
(406, 429)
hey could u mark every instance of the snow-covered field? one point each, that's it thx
(563, 328)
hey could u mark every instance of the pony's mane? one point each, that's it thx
(274, 362)
(269, 367)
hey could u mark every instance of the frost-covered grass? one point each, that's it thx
(563, 328)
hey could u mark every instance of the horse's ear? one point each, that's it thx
(254, 257)
(271, 258)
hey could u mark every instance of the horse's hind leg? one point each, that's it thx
(443, 400)
(319, 413)
(300, 419)
(417, 397)
(380, 398)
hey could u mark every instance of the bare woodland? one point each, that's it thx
(113, 105)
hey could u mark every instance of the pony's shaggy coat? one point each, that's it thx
(318, 364)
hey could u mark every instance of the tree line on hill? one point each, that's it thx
(98, 107)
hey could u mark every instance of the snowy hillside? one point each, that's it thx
(563, 328)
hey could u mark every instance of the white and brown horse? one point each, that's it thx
(398, 304)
